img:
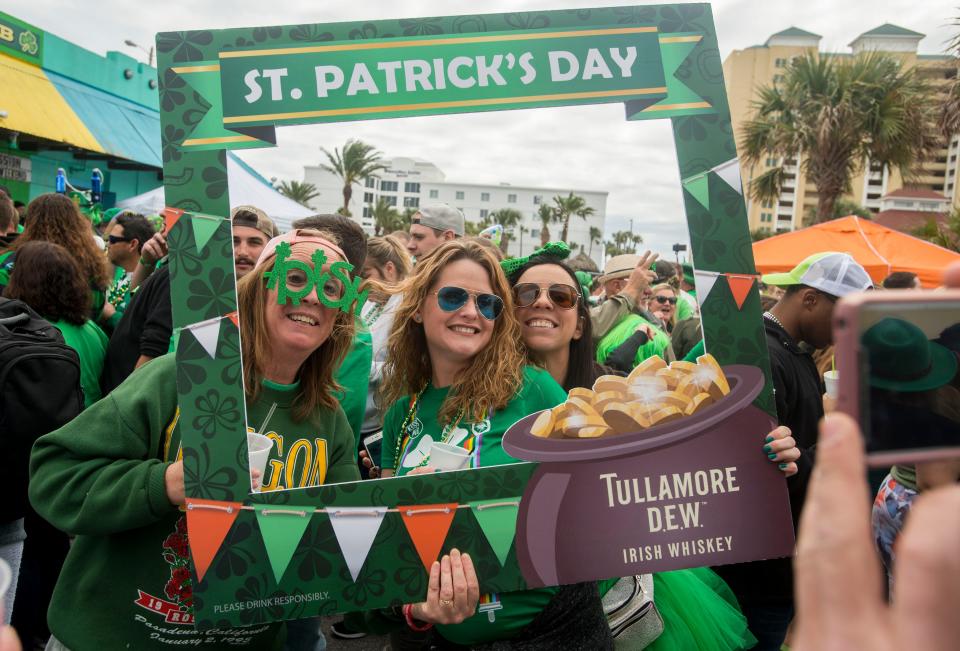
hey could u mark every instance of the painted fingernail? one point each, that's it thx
(783, 466)
(767, 449)
(772, 456)
(769, 438)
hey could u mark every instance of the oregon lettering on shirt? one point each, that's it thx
(301, 465)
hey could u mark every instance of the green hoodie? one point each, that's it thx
(101, 478)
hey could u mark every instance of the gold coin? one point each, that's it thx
(543, 426)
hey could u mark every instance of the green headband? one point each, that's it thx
(339, 274)
(558, 250)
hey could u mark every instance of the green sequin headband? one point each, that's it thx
(558, 250)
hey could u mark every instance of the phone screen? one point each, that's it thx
(373, 444)
(909, 388)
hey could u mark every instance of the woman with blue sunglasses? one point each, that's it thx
(457, 373)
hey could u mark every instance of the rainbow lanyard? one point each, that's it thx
(472, 445)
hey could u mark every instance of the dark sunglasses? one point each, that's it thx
(451, 299)
(563, 296)
(114, 239)
(663, 300)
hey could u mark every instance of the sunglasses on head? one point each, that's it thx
(114, 239)
(563, 296)
(451, 299)
(663, 300)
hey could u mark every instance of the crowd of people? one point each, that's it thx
(454, 343)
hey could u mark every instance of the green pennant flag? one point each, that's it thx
(281, 529)
(203, 229)
(498, 520)
(699, 187)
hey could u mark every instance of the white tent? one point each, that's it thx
(247, 188)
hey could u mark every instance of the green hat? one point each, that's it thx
(901, 357)
(585, 280)
(688, 273)
(836, 274)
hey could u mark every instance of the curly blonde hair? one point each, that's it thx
(317, 383)
(493, 376)
(55, 218)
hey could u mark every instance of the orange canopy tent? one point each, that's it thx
(879, 249)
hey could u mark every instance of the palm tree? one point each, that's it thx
(302, 193)
(836, 114)
(565, 207)
(596, 235)
(950, 112)
(546, 216)
(355, 163)
(508, 218)
(385, 217)
(623, 242)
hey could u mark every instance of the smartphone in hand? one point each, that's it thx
(898, 367)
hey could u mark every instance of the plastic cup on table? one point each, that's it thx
(444, 456)
(258, 447)
(832, 381)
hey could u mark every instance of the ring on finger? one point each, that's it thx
(446, 603)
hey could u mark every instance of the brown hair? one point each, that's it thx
(381, 250)
(494, 375)
(8, 214)
(317, 383)
(55, 218)
(48, 279)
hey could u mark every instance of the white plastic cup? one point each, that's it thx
(444, 456)
(258, 447)
(6, 577)
(832, 381)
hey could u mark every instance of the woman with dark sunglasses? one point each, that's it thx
(663, 305)
(457, 373)
(556, 330)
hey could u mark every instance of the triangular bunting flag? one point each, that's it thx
(235, 317)
(281, 529)
(208, 523)
(740, 288)
(207, 333)
(203, 229)
(699, 187)
(730, 173)
(355, 528)
(170, 217)
(498, 520)
(705, 280)
(427, 525)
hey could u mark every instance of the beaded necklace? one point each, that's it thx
(445, 435)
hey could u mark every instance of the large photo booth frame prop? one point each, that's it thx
(288, 554)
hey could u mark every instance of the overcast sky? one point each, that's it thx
(579, 147)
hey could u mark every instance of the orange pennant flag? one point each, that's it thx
(428, 525)
(740, 287)
(208, 523)
(170, 217)
(233, 316)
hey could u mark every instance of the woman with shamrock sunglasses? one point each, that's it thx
(457, 374)
(556, 330)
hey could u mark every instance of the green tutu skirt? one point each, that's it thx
(699, 612)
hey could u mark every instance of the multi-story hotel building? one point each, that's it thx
(759, 65)
(413, 182)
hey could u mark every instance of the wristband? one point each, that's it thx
(411, 622)
(147, 264)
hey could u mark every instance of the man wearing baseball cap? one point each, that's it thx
(625, 280)
(431, 226)
(252, 229)
(802, 316)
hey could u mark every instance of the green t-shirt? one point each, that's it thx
(538, 391)
(91, 345)
(622, 332)
(684, 309)
(354, 376)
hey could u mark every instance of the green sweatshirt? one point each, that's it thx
(91, 346)
(126, 582)
(539, 391)
(656, 346)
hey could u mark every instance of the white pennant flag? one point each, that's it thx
(730, 173)
(355, 528)
(705, 280)
(207, 333)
